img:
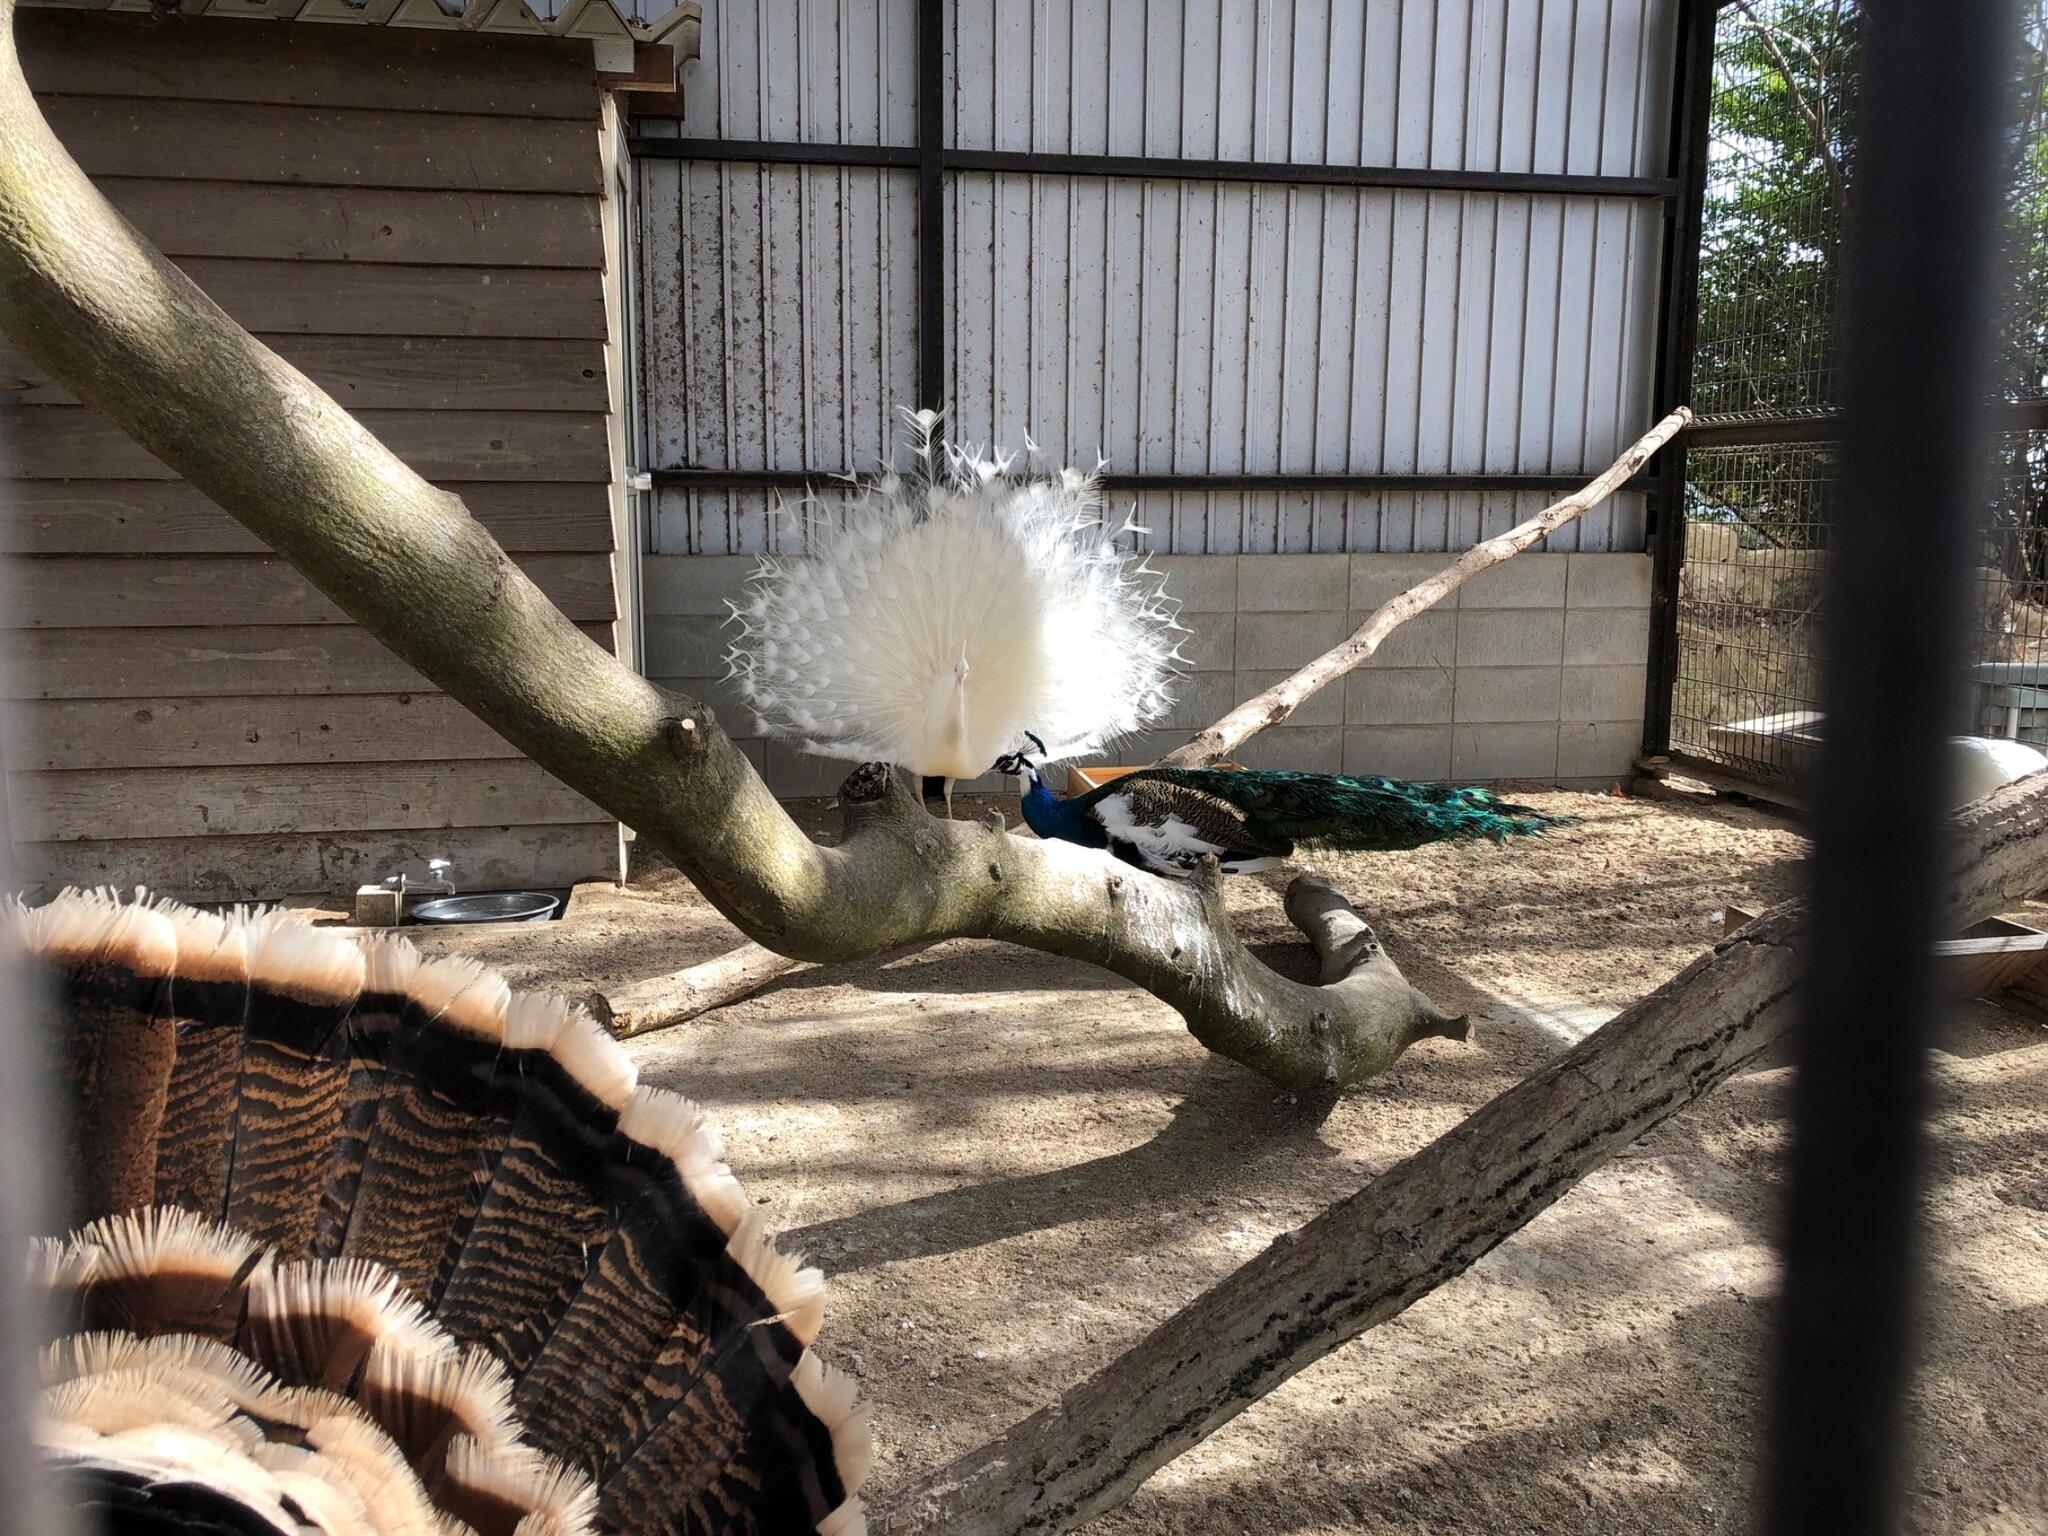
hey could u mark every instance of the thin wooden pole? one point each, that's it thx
(1283, 698)
(677, 997)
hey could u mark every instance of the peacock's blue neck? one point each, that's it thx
(1049, 816)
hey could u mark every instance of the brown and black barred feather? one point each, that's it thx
(440, 1122)
(470, 1272)
(209, 1007)
(106, 1026)
(288, 1098)
(390, 966)
(544, 1217)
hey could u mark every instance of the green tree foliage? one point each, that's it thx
(2019, 508)
(1782, 159)
(1782, 152)
(1776, 223)
(1785, 74)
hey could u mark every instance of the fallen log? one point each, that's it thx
(695, 990)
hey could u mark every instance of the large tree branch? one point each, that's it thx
(1424, 1221)
(1812, 113)
(84, 295)
(1287, 695)
(679, 996)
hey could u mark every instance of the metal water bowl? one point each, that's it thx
(488, 907)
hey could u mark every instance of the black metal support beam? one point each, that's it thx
(1159, 167)
(1830, 426)
(1348, 482)
(1692, 100)
(1917, 336)
(1287, 173)
(826, 479)
(690, 477)
(901, 157)
(931, 206)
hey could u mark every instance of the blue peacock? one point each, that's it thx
(1168, 819)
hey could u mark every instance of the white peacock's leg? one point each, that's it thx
(949, 799)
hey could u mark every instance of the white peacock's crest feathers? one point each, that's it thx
(932, 620)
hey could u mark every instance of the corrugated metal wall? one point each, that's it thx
(1173, 326)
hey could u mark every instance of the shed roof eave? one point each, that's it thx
(611, 32)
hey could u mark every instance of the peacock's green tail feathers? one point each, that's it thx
(1360, 814)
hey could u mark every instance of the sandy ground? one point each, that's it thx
(1012, 1166)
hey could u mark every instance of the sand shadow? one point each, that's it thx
(1228, 1127)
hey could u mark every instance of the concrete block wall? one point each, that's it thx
(1536, 670)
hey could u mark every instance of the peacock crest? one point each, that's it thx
(930, 620)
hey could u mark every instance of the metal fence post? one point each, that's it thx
(1917, 333)
(1692, 99)
(931, 207)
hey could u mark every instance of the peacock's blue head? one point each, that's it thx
(1017, 764)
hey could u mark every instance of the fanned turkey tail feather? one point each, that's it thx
(471, 1277)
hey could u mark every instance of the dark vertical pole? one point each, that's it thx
(931, 213)
(1692, 100)
(24, 1179)
(931, 223)
(1922, 255)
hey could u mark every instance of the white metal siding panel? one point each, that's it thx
(1255, 329)
(781, 333)
(1174, 327)
(1288, 80)
(809, 70)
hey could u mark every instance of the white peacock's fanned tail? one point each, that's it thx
(932, 620)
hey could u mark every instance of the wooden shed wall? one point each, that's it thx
(413, 219)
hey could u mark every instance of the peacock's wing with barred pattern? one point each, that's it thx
(1185, 820)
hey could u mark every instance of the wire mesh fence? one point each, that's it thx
(1759, 503)
(1747, 692)
(2009, 623)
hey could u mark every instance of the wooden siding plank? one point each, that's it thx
(324, 146)
(133, 517)
(62, 734)
(264, 868)
(215, 663)
(65, 442)
(278, 799)
(497, 229)
(439, 373)
(84, 591)
(377, 299)
(194, 58)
